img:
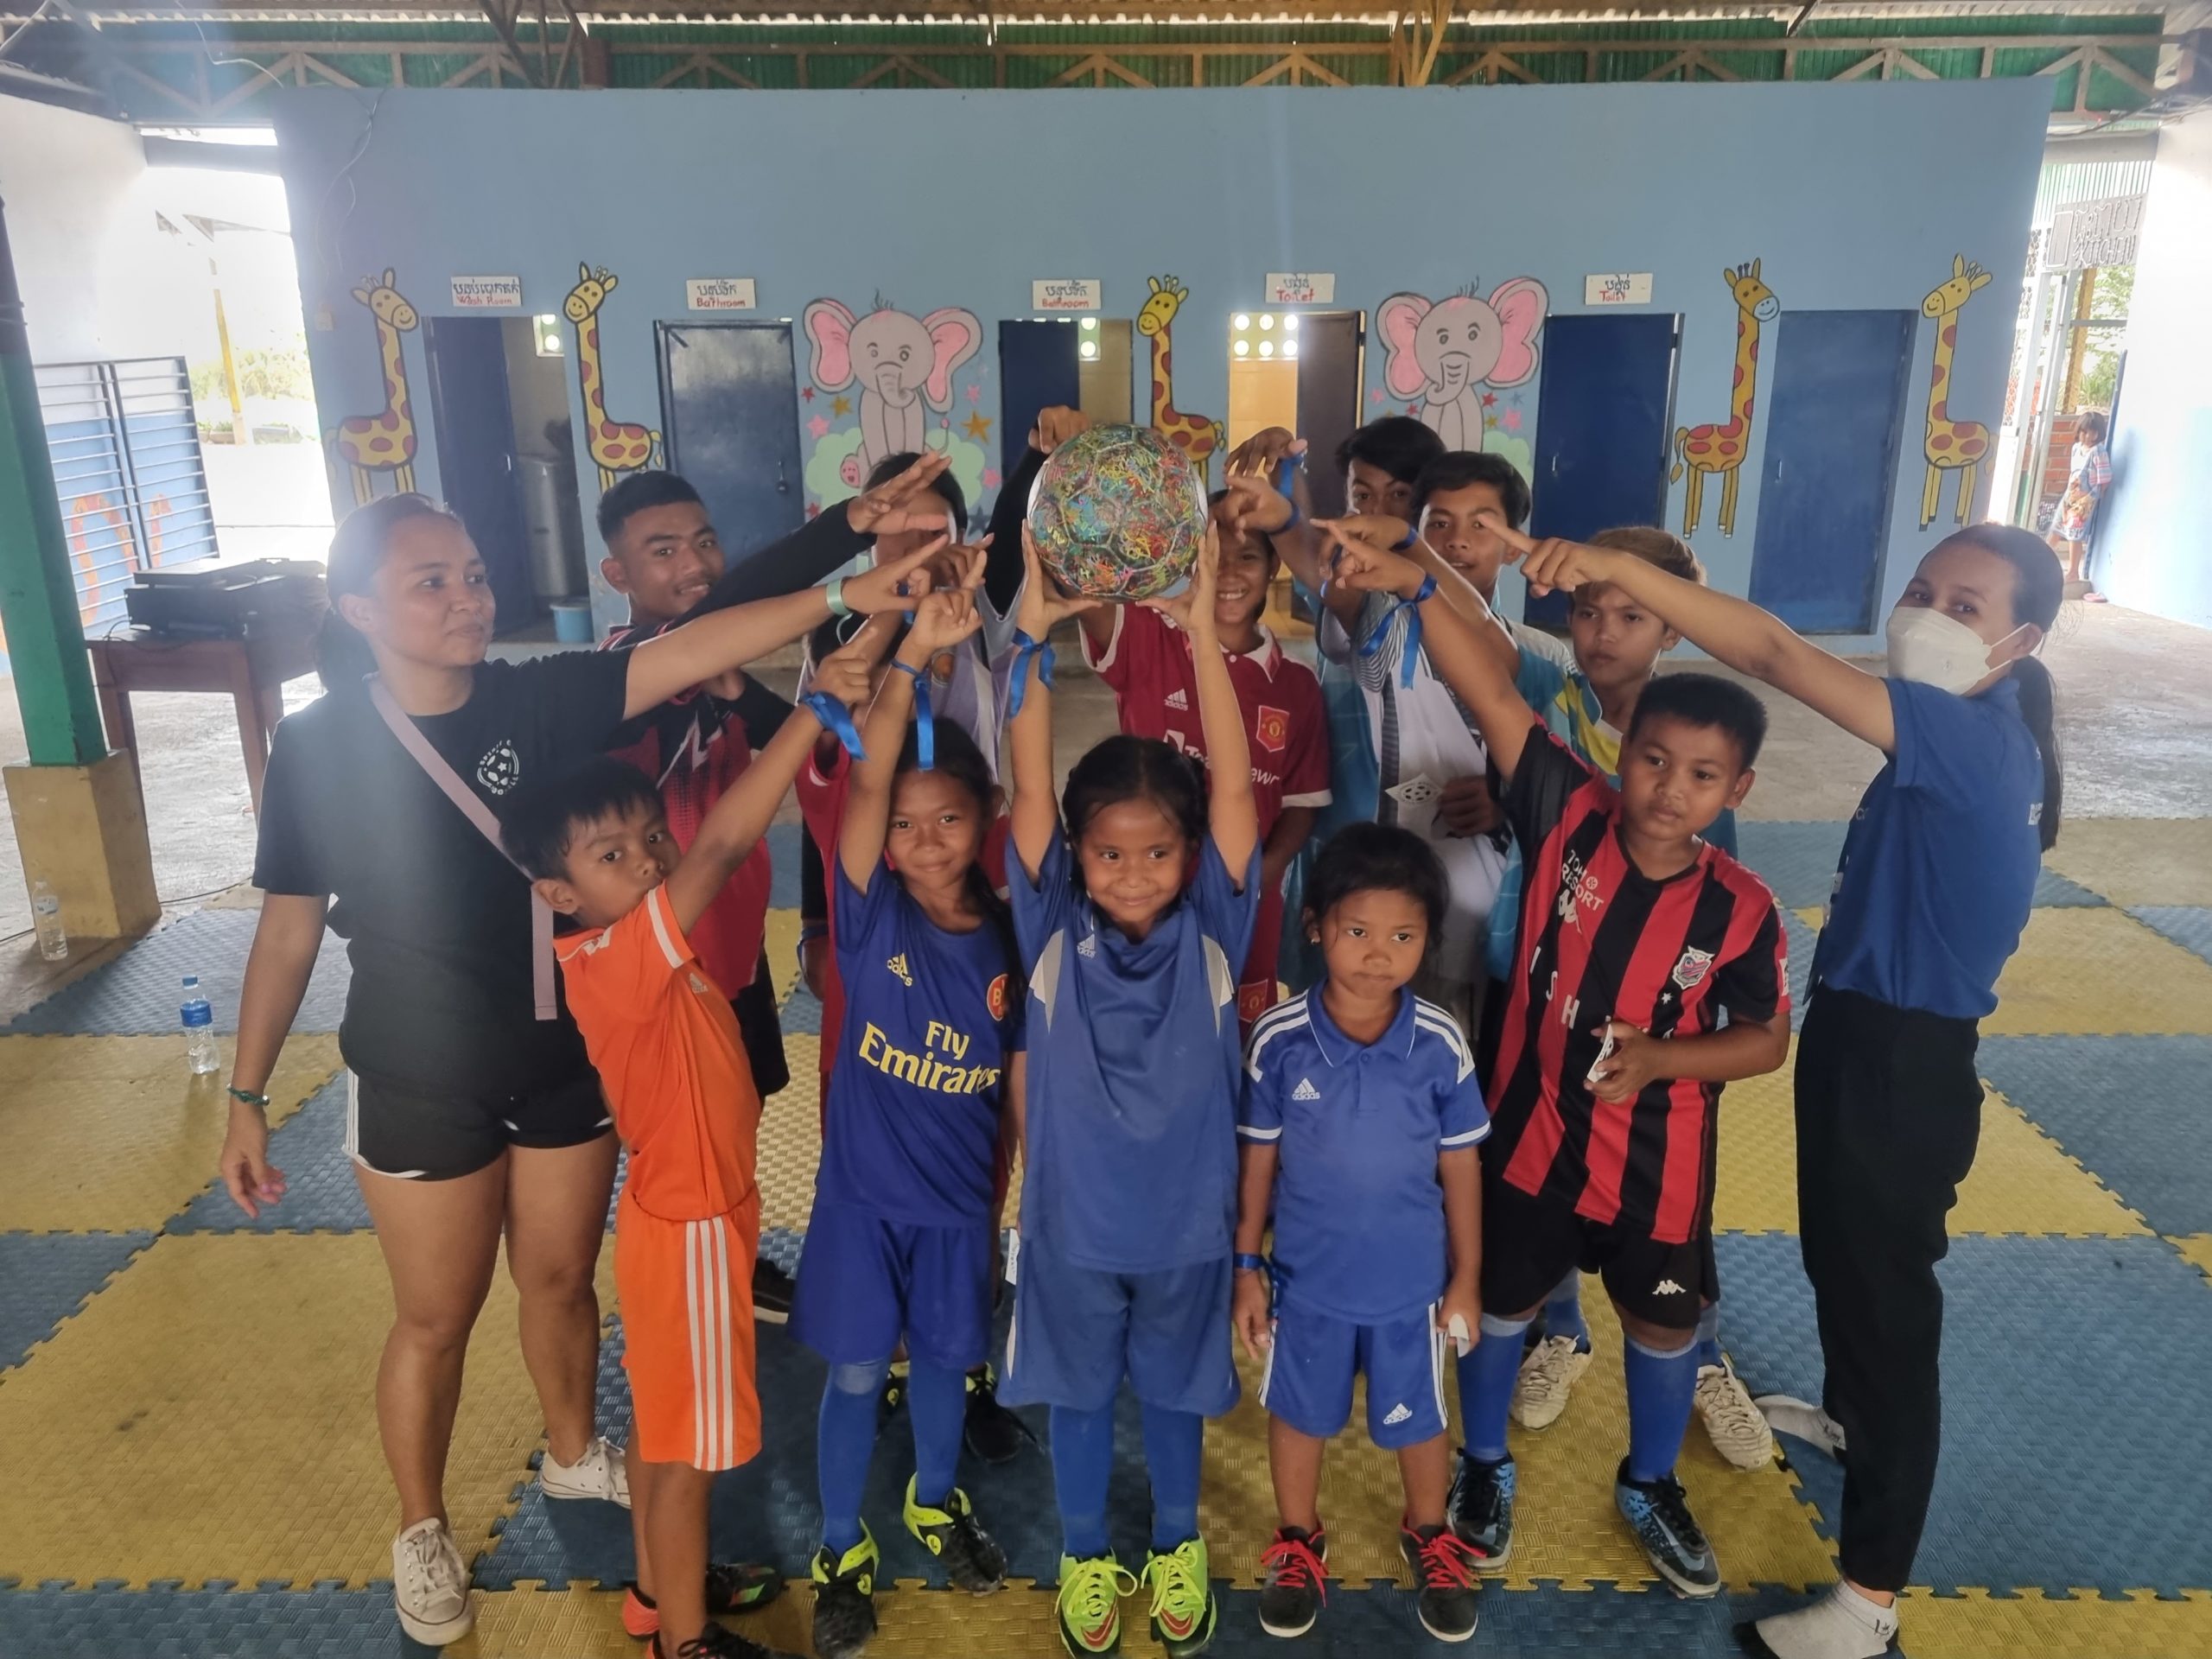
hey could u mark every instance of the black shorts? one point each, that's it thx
(762, 1031)
(1530, 1243)
(394, 1130)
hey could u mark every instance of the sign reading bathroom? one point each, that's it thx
(718, 293)
(1301, 286)
(488, 293)
(1067, 294)
(1617, 288)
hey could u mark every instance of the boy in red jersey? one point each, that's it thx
(1636, 936)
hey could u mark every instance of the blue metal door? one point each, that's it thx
(729, 420)
(475, 425)
(1038, 369)
(1605, 415)
(1830, 465)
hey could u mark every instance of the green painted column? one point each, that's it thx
(38, 599)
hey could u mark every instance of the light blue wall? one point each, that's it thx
(2155, 549)
(1852, 196)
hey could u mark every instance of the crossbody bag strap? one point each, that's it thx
(473, 808)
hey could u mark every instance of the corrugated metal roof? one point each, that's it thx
(2066, 181)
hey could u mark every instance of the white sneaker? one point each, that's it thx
(430, 1584)
(1548, 1374)
(601, 1473)
(1739, 1433)
(1803, 1420)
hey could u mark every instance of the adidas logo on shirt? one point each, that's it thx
(1306, 1090)
(1177, 700)
(1089, 947)
(897, 965)
(1667, 1287)
(1398, 1414)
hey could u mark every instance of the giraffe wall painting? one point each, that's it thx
(383, 443)
(1950, 446)
(617, 447)
(1720, 447)
(1196, 436)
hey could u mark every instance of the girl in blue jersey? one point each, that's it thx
(1132, 920)
(1939, 870)
(901, 1243)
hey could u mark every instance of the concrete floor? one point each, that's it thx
(2135, 715)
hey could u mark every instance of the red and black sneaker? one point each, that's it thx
(732, 1587)
(1444, 1578)
(1296, 1565)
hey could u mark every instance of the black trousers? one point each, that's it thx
(1889, 1108)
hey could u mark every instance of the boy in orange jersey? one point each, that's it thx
(669, 1055)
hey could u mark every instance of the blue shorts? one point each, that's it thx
(864, 1283)
(1310, 1368)
(1077, 1331)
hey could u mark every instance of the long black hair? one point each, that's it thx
(2039, 586)
(956, 757)
(1126, 768)
(342, 655)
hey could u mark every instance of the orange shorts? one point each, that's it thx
(685, 1290)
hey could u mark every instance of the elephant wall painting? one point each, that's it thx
(903, 366)
(1444, 352)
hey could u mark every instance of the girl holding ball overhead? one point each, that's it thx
(1938, 872)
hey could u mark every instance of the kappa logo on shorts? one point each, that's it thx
(1667, 1287)
(1398, 1414)
(1306, 1090)
(897, 965)
(1689, 973)
(501, 768)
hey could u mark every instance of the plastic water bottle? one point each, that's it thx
(46, 914)
(201, 1053)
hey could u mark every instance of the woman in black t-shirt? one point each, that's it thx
(472, 1111)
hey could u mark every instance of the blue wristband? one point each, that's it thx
(1412, 541)
(1024, 649)
(836, 720)
(925, 718)
(1250, 1263)
(1410, 653)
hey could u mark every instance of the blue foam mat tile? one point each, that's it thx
(783, 865)
(1802, 940)
(320, 1194)
(137, 994)
(2014, 1428)
(1798, 860)
(800, 1011)
(2188, 926)
(44, 1277)
(320, 1623)
(2131, 1108)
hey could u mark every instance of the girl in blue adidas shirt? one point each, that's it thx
(1131, 921)
(901, 1242)
(1939, 870)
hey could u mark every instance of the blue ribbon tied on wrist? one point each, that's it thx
(1024, 649)
(924, 718)
(836, 720)
(1411, 608)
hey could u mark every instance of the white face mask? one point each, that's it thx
(1937, 650)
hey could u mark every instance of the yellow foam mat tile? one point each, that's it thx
(790, 1143)
(1977, 1625)
(2196, 1249)
(918, 1623)
(783, 952)
(2138, 861)
(142, 1136)
(210, 1415)
(1565, 1526)
(2099, 973)
(2022, 1181)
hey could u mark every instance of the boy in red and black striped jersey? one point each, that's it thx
(1650, 970)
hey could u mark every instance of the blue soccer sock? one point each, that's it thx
(1708, 1334)
(1487, 1373)
(936, 1399)
(845, 1441)
(1172, 1452)
(1562, 1314)
(1662, 1383)
(1082, 1468)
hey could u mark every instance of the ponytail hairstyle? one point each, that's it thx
(2039, 586)
(958, 758)
(342, 655)
(1127, 768)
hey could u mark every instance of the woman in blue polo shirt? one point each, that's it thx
(1939, 870)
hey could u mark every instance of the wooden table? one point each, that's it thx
(253, 669)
